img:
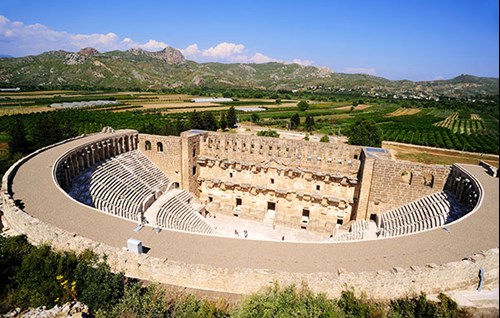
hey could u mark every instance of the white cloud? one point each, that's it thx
(302, 62)
(3, 20)
(224, 50)
(19, 39)
(102, 42)
(152, 45)
(191, 51)
(362, 70)
(261, 58)
(127, 41)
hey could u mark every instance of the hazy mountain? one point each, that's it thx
(136, 68)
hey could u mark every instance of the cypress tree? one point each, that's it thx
(294, 121)
(309, 125)
(231, 117)
(223, 121)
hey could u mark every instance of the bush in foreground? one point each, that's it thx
(34, 276)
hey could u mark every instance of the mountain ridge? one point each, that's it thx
(168, 68)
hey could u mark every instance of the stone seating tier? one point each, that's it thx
(429, 212)
(119, 185)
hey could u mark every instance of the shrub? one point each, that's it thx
(419, 306)
(309, 124)
(276, 301)
(303, 106)
(191, 307)
(268, 133)
(365, 133)
(139, 302)
(97, 286)
(35, 279)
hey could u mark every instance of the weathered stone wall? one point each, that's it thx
(328, 198)
(164, 152)
(325, 157)
(395, 183)
(362, 191)
(191, 141)
(397, 282)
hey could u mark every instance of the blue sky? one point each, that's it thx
(416, 40)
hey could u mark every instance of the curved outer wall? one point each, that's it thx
(387, 282)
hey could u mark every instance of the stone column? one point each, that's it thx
(119, 145)
(114, 146)
(93, 155)
(126, 142)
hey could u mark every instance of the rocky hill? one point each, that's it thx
(139, 69)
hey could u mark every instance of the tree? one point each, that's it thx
(325, 138)
(223, 121)
(208, 121)
(18, 142)
(365, 133)
(231, 117)
(309, 125)
(47, 130)
(294, 121)
(303, 106)
(268, 133)
(180, 126)
(98, 287)
(254, 118)
(195, 121)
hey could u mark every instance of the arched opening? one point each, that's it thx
(159, 147)
(147, 145)
(406, 177)
(428, 180)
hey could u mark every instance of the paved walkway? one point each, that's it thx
(35, 187)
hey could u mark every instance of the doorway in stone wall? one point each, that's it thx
(271, 206)
(270, 213)
(237, 208)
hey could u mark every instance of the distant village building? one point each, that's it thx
(211, 100)
(84, 104)
(13, 89)
(251, 109)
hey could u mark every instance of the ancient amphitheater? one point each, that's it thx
(385, 227)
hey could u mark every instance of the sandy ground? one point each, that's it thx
(227, 225)
(436, 155)
(251, 129)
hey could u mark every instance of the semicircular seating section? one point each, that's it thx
(358, 231)
(427, 213)
(177, 214)
(120, 185)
